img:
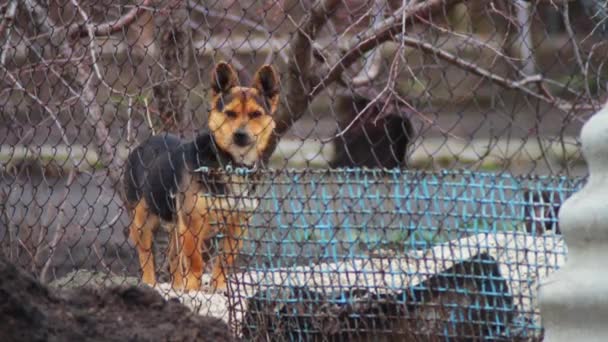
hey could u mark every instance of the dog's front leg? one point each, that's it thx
(230, 247)
(194, 229)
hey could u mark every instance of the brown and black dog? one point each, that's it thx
(163, 181)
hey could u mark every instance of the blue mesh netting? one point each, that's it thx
(345, 253)
(329, 215)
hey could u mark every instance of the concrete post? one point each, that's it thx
(574, 300)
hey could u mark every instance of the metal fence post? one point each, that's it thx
(574, 300)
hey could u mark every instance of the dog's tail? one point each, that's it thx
(132, 179)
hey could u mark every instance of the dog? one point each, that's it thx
(165, 181)
(381, 144)
(541, 212)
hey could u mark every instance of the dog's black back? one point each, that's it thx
(156, 168)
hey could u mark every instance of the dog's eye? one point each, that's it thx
(230, 113)
(255, 114)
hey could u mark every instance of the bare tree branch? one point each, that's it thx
(9, 16)
(176, 54)
(419, 12)
(60, 230)
(299, 91)
(15, 81)
(241, 21)
(87, 70)
(388, 89)
(494, 78)
(577, 53)
(108, 28)
(373, 59)
(105, 143)
(296, 96)
(391, 27)
(39, 14)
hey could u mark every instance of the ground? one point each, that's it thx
(30, 311)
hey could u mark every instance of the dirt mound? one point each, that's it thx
(30, 311)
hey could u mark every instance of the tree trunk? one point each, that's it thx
(173, 35)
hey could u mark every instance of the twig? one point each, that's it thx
(176, 53)
(148, 117)
(373, 59)
(55, 72)
(43, 64)
(426, 118)
(108, 28)
(89, 101)
(105, 143)
(475, 69)
(354, 24)
(389, 28)
(41, 17)
(393, 73)
(19, 86)
(8, 18)
(599, 24)
(57, 33)
(129, 120)
(239, 20)
(43, 232)
(468, 39)
(87, 97)
(529, 79)
(577, 53)
(589, 60)
(93, 45)
(102, 261)
(297, 96)
(501, 13)
(59, 230)
(27, 250)
(299, 68)
(7, 21)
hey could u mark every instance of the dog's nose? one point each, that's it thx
(241, 138)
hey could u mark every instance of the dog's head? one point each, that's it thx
(241, 118)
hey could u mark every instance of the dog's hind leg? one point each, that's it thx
(141, 232)
(176, 260)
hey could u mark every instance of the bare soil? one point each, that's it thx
(30, 311)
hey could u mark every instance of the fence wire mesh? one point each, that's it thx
(330, 189)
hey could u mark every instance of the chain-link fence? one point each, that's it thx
(359, 220)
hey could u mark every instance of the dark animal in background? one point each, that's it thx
(541, 212)
(382, 144)
(161, 183)
(447, 306)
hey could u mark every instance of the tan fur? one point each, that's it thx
(244, 104)
(196, 212)
(141, 233)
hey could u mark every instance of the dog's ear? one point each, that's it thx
(224, 78)
(267, 83)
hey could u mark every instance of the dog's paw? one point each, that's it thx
(210, 289)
